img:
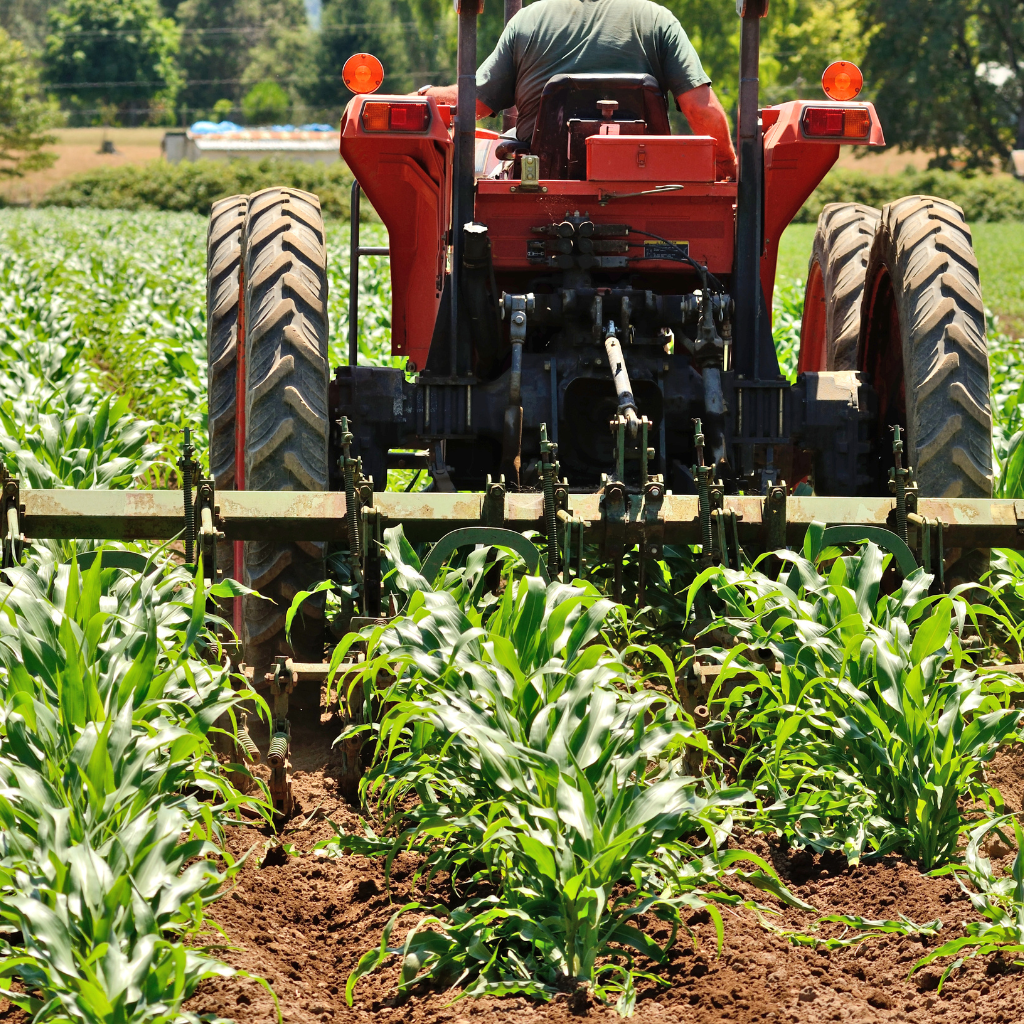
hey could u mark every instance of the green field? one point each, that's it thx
(530, 746)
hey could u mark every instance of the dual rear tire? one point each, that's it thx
(896, 295)
(268, 383)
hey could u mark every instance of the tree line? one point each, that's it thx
(946, 75)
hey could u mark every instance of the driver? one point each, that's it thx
(556, 37)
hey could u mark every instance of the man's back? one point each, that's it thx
(553, 37)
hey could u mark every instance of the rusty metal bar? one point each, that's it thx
(292, 515)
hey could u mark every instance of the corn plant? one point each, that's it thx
(118, 300)
(787, 315)
(875, 697)
(999, 901)
(106, 726)
(544, 775)
(102, 928)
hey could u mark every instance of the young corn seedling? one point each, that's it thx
(999, 901)
(107, 853)
(874, 699)
(542, 771)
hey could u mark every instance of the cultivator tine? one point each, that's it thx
(282, 682)
(188, 467)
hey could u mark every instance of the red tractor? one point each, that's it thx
(599, 290)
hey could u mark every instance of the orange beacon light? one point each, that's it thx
(362, 73)
(842, 80)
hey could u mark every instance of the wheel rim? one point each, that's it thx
(813, 355)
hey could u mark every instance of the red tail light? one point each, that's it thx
(837, 123)
(413, 116)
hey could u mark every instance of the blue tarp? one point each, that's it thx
(210, 128)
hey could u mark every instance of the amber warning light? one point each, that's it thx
(842, 81)
(396, 116)
(837, 123)
(362, 73)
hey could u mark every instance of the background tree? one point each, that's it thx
(431, 37)
(1001, 47)
(25, 20)
(284, 52)
(230, 45)
(118, 53)
(24, 119)
(944, 75)
(266, 103)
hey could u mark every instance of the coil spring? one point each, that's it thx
(704, 510)
(278, 750)
(551, 520)
(245, 741)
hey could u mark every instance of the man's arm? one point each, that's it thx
(706, 116)
(449, 94)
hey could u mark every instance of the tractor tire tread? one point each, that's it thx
(841, 245)
(926, 247)
(286, 409)
(223, 263)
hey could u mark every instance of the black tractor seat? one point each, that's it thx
(574, 107)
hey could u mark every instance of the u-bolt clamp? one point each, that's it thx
(208, 514)
(11, 511)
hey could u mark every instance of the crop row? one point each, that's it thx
(112, 800)
(533, 746)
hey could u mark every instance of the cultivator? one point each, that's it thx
(730, 529)
(584, 318)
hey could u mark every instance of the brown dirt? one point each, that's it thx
(303, 922)
(77, 150)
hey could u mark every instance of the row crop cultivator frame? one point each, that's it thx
(914, 529)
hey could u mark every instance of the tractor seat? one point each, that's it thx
(574, 107)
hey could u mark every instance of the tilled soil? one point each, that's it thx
(303, 922)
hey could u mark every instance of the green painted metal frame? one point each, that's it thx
(293, 515)
(840, 535)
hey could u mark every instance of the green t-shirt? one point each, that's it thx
(561, 37)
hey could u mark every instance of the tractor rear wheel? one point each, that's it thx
(923, 346)
(286, 410)
(835, 287)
